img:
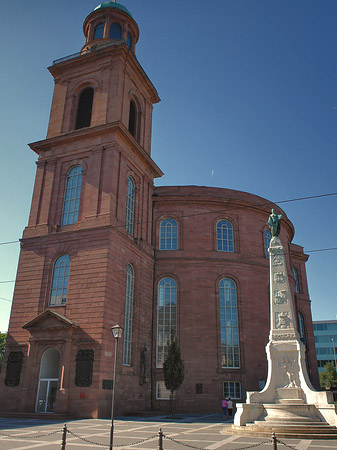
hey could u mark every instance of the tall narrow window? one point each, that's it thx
(115, 31)
(301, 326)
(99, 29)
(132, 118)
(267, 239)
(168, 235)
(297, 282)
(128, 39)
(128, 316)
(130, 206)
(59, 283)
(84, 108)
(224, 234)
(229, 328)
(72, 196)
(166, 317)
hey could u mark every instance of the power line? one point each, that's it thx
(310, 197)
(9, 242)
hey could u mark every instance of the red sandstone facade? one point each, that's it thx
(105, 238)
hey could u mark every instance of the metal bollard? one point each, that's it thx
(64, 437)
(160, 442)
(274, 440)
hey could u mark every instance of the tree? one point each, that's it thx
(173, 369)
(3, 338)
(328, 378)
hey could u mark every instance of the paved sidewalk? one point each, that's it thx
(196, 432)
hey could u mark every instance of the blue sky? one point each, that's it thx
(249, 102)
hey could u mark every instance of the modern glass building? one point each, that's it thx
(325, 333)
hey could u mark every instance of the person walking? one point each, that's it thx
(224, 408)
(230, 408)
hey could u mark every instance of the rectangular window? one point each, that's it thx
(161, 392)
(232, 389)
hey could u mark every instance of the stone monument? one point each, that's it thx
(288, 396)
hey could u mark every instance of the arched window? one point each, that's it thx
(72, 196)
(128, 39)
(224, 234)
(301, 326)
(99, 29)
(59, 283)
(229, 328)
(84, 108)
(168, 235)
(166, 317)
(130, 206)
(267, 239)
(128, 316)
(297, 281)
(133, 119)
(115, 31)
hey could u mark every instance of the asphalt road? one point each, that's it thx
(197, 432)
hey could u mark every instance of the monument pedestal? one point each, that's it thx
(288, 399)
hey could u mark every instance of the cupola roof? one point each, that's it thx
(113, 5)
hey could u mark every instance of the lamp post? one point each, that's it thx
(334, 351)
(117, 332)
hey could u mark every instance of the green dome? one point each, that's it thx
(113, 5)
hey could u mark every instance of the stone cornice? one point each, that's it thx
(99, 130)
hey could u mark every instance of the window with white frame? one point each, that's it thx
(72, 196)
(166, 317)
(162, 393)
(59, 283)
(267, 239)
(224, 236)
(168, 239)
(229, 327)
(232, 389)
(128, 316)
(130, 206)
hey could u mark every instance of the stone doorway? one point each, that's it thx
(48, 381)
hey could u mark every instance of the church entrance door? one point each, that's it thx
(48, 381)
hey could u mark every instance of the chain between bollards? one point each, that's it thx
(64, 437)
(160, 441)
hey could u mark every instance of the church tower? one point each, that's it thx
(86, 259)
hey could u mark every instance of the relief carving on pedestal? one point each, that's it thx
(287, 373)
(277, 260)
(280, 298)
(283, 320)
(279, 277)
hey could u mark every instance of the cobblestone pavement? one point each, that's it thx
(201, 432)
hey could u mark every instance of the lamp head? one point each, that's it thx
(117, 331)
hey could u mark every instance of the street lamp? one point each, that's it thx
(334, 351)
(117, 332)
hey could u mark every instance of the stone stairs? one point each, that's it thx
(299, 428)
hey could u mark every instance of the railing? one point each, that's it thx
(159, 438)
(93, 48)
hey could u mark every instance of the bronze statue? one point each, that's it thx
(274, 223)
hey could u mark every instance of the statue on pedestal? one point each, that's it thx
(274, 223)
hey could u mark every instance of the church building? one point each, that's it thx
(103, 246)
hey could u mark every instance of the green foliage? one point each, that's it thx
(3, 338)
(174, 370)
(328, 378)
